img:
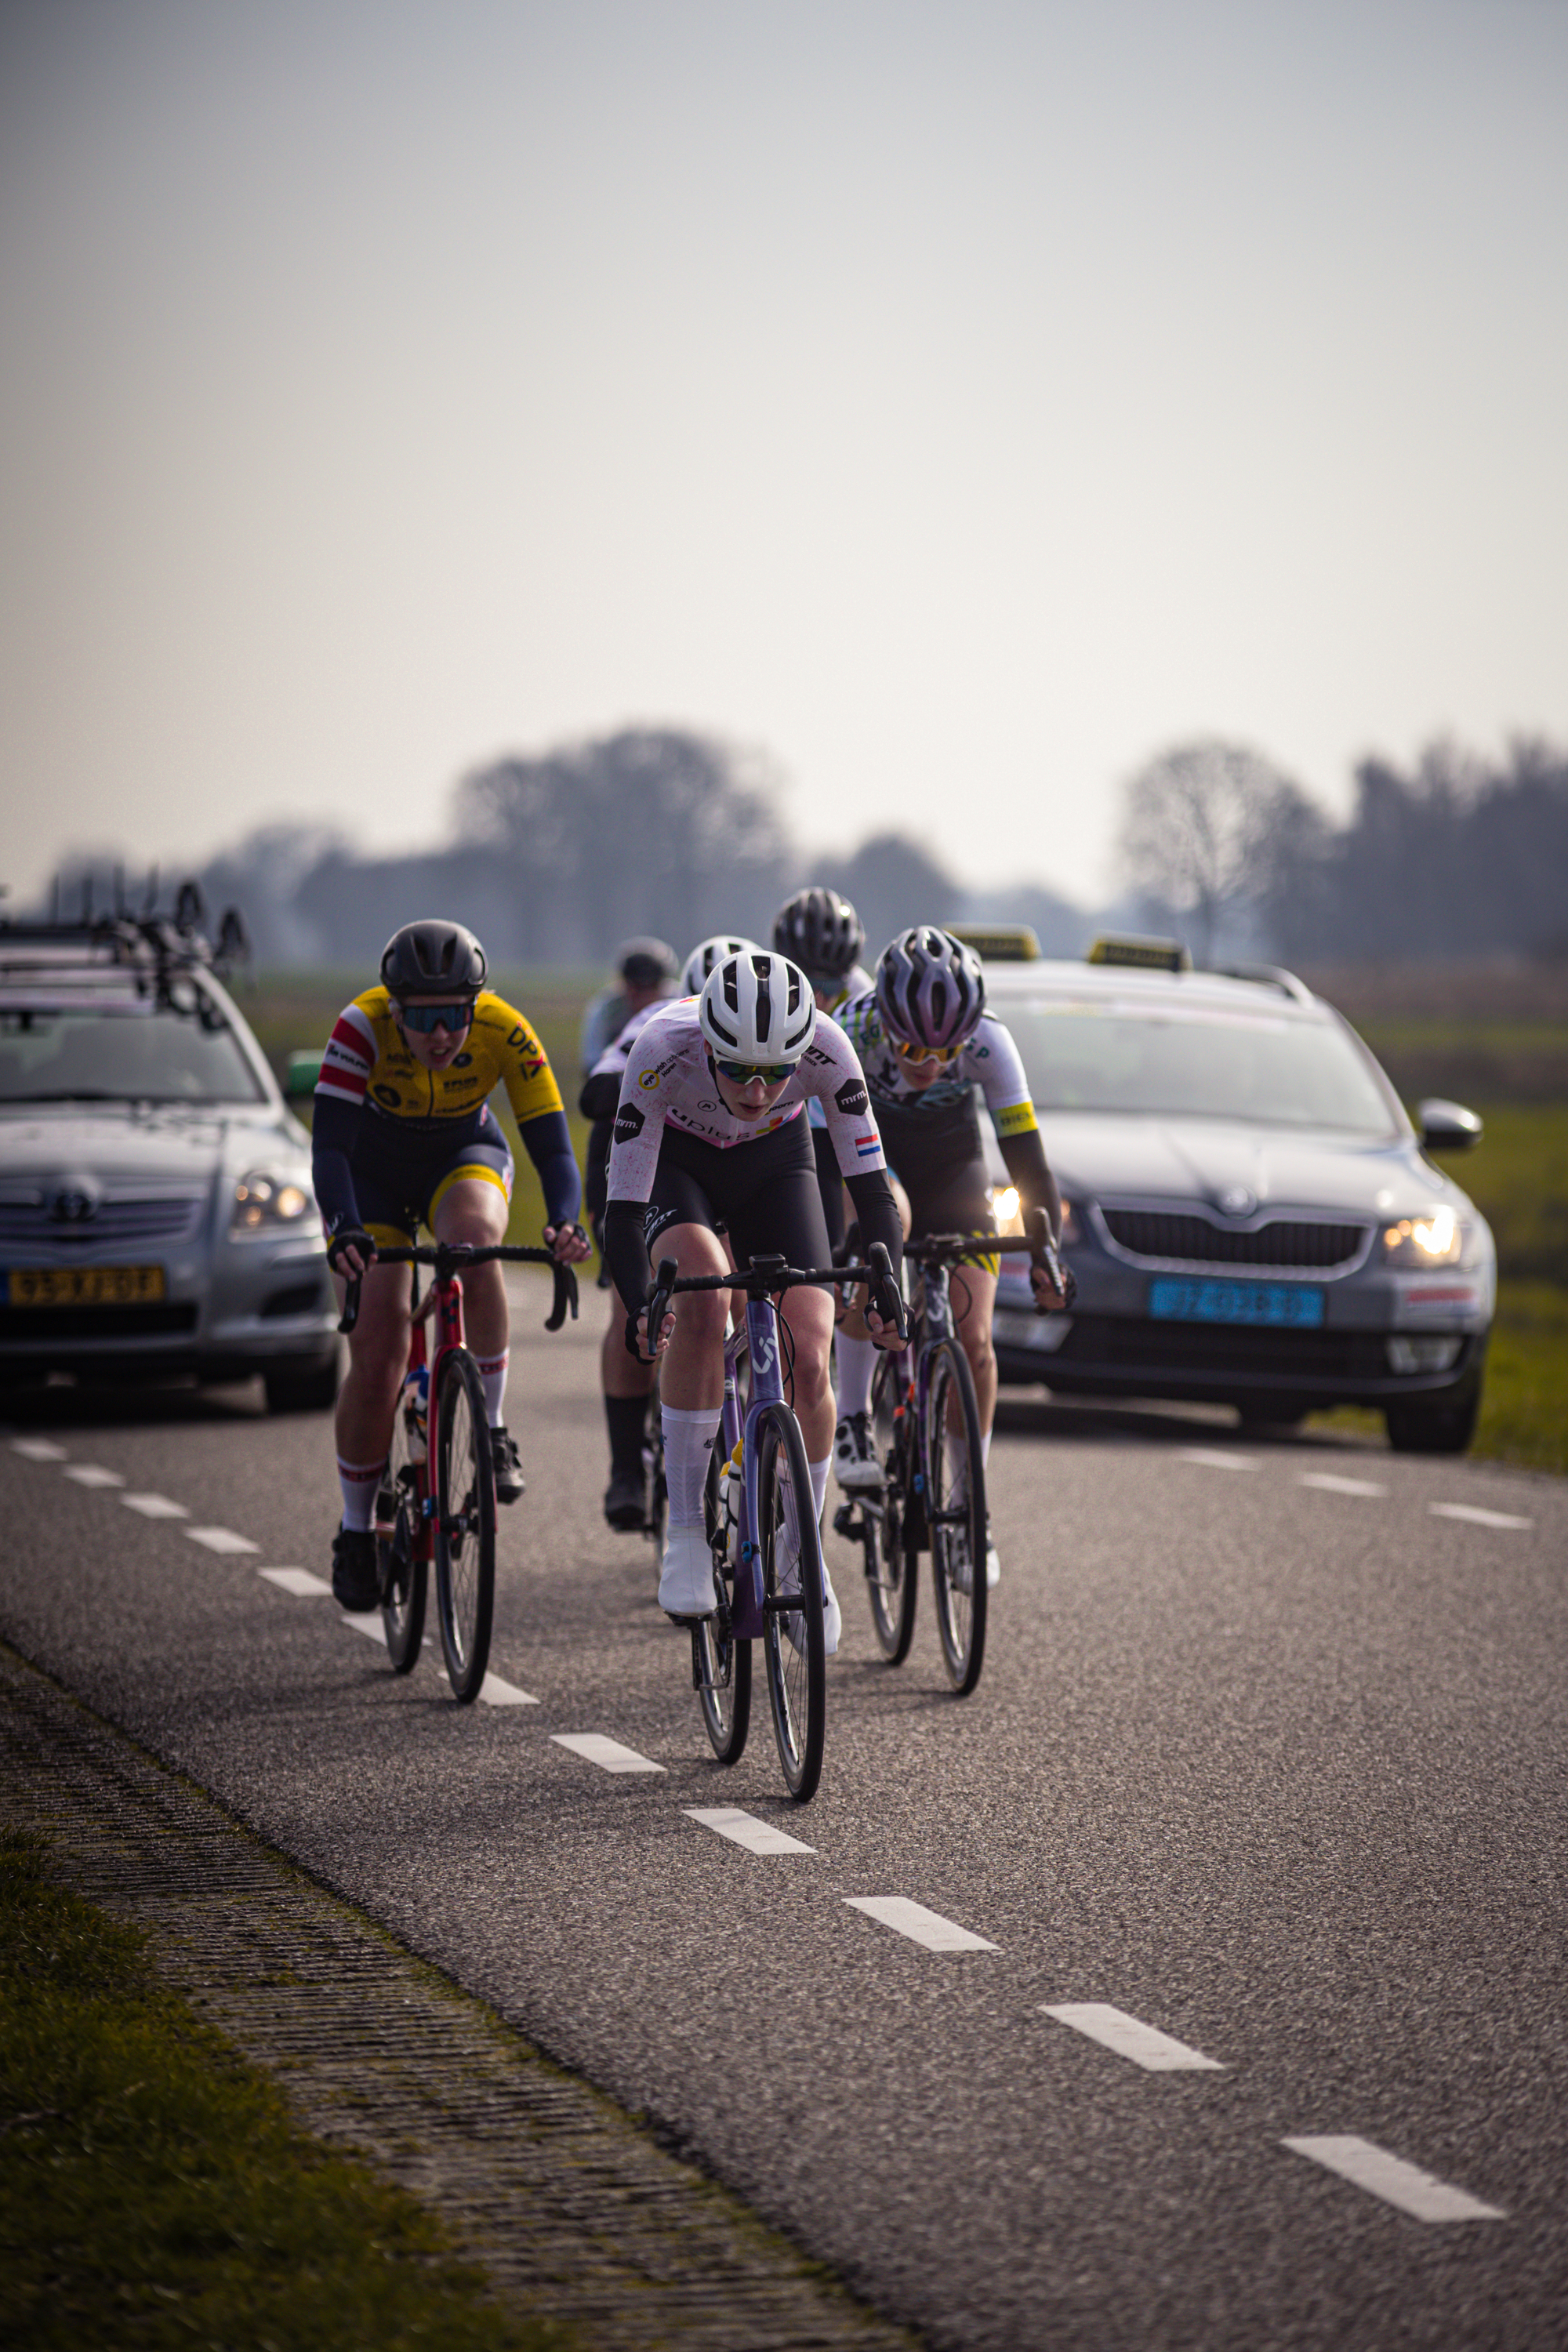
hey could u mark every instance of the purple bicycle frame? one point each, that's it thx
(761, 1344)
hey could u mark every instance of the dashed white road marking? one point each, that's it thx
(38, 1449)
(1396, 2182)
(608, 1754)
(497, 1693)
(93, 1473)
(298, 1580)
(921, 1926)
(1156, 2052)
(1328, 1482)
(155, 1507)
(745, 1829)
(220, 1539)
(1477, 1517)
(1210, 1458)
(366, 1621)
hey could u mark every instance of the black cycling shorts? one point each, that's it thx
(936, 1152)
(765, 1194)
(402, 1173)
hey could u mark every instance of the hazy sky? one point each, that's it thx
(958, 402)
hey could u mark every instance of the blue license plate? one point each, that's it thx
(1290, 1305)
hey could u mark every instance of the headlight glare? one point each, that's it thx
(264, 1200)
(1437, 1239)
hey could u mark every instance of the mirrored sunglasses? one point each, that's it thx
(740, 1073)
(429, 1017)
(912, 1053)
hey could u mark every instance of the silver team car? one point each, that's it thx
(1252, 1219)
(156, 1212)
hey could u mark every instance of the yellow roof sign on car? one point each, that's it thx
(1145, 954)
(998, 942)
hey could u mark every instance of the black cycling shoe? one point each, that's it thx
(508, 1463)
(626, 1501)
(356, 1572)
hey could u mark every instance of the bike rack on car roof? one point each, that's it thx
(148, 947)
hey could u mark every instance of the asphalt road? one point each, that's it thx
(1268, 1757)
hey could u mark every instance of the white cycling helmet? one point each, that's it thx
(758, 1008)
(701, 960)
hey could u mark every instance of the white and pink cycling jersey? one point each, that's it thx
(667, 1082)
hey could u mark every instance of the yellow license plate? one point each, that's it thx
(84, 1286)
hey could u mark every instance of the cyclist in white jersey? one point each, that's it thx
(711, 1130)
(927, 1042)
(626, 1381)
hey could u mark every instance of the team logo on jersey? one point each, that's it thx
(389, 1095)
(629, 1123)
(852, 1099)
(816, 1054)
(460, 1061)
(648, 1080)
(518, 1035)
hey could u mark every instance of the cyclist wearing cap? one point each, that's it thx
(626, 1380)
(644, 976)
(404, 1135)
(710, 1129)
(926, 1041)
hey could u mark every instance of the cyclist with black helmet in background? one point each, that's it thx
(626, 1380)
(821, 932)
(404, 1135)
(926, 1041)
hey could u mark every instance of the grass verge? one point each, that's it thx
(154, 2190)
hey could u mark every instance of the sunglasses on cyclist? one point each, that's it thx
(740, 1073)
(909, 1053)
(429, 1017)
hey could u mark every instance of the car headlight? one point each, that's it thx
(1070, 1229)
(264, 1200)
(1423, 1242)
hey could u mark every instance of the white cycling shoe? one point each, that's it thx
(685, 1574)
(855, 1463)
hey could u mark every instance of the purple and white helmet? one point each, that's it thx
(705, 955)
(930, 987)
(758, 1008)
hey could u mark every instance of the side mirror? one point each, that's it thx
(302, 1071)
(1448, 1126)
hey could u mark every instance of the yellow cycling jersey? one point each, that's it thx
(366, 1061)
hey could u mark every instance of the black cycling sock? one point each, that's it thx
(628, 1418)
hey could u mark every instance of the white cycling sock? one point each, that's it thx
(359, 1481)
(857, 1364)
(985, 1449)
(819, 1471)
(493, 1372)
(687, 1443)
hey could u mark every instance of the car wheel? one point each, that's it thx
(1433, 1428)
(309, 1387)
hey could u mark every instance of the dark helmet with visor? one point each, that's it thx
(930, 987)
(821, 932)
(433, 959)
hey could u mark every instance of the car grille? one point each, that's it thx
(1127, 1344)
(118, 1223)
(1167, 1238)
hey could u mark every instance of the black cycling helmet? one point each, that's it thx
(433, 960)
(646, 962)
(821, 932)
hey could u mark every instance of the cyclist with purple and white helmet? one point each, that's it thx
(926, 1041)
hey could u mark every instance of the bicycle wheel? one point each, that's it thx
(399, 1544)
(791, 1548)
(465, 1523)
(720, 1667)
(891, 1583)
(955, 1514)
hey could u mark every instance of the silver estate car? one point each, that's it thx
(1252, 1219)
(156, 1212)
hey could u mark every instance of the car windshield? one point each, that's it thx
(1267, 1070)
(136, 1052)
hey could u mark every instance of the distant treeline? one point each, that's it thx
(555, 859)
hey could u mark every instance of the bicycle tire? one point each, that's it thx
(399, 1532)
(465, 1523)
(955, 1517)
(723, 1665)
(790, 1541)
(892, 1580)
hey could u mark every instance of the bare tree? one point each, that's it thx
(1209, 833)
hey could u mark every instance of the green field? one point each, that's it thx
(1518, 1175)
(153, 2189)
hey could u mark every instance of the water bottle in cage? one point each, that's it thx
(730, 1482)
(416, 1411)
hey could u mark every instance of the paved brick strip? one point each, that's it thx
(573, 2210)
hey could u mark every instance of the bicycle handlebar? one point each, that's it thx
(766, 1275)
(449, 1258)
(959, 1249)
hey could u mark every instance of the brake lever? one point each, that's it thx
(566, 1300)
(889, 1298)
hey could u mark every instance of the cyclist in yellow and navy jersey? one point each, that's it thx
(403, 1136)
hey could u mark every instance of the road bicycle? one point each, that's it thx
(769, 1581)
(447, 1515)
(926, 1431)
